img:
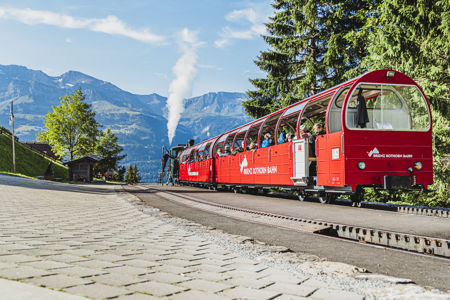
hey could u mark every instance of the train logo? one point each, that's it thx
(192, 173)
(373, 151)
(244, 163)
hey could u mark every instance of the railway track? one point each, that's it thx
(440, 212)
(399, 240)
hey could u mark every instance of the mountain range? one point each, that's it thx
(139, 121)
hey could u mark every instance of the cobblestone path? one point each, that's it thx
(86, 240)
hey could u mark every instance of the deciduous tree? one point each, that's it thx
(70, 128)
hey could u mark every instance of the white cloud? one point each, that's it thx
(254, 19)
(109, 25)
(68, 40)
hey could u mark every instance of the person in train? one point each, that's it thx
(290, 137)
(267, 141)
(218, 153)
(227, 150)
(318, 130)
(282, 138)
(253, 146)
(303, 133)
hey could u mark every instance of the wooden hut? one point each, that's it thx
(82, 169)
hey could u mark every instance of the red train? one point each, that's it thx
(377, 133)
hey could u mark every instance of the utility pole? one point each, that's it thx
(13, 138)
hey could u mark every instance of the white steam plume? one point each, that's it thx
(184, 71)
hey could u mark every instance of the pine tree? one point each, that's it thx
(413, 37)
(137, 177)
(129, 177)
(109, 150)
(309, 51)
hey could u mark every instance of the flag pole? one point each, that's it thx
(13, 139)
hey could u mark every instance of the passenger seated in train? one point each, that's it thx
(218, 153)
(253, 146)
(290, 137)
(237, 150)
(282, 138)
(303, 133)
(227, 150)
(267, 141)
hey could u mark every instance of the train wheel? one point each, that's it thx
(235, 190)
(301, 197)
(357, 197)
(328, 198)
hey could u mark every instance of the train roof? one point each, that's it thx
(368, 75)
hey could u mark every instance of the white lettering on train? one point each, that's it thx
(260, 170)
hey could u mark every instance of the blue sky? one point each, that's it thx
(136, 43)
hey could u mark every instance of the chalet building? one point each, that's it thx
(82, 169)
(42, 148)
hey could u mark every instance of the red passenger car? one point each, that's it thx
(377, 133)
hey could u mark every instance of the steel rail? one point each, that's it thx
(405, 241)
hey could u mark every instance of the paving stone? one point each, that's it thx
(197, 295)
(172, 269)
(314, 283)
(140, 263)
(97, 291)
(292, 289)
(58, 281)
(97, 264)
(325, 293)
(245, 274)
(180, 263)
(47, 264)
(205, 285)
(156, 288)
(248, 293)
(17, 258)
(291, 297)
(81, 271)
(7, 265)
(118, 279)
(22, 272)
(137, 296)
(247, 267)
(109, 257)
(66, 258)
(286, 278)
(211, 268)
(129, 270)
(211, 276)
(249, 282)
(80, 252)
(166, 277)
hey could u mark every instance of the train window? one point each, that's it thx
(288, 124)
(294, 109)
(219, 146)
(228, 143)
(334, 115)
(238, 145)
(206, 151)
(387, 107)
(315, 110)
(269, 127)
(252, 136)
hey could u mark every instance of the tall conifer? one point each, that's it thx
(308, 51)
